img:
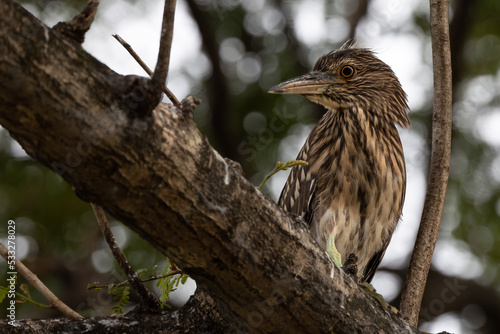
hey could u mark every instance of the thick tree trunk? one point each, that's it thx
(159, 175)
(199, 315)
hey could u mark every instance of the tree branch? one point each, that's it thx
(149, 301)
(161, 70)
(160, 176)
(439, 165)
(199, 315)
(40, 287)
(145, 67)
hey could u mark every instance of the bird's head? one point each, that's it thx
(352, 77)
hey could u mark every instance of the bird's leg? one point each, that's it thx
(334, 254)
(371, 290)
(332, 251)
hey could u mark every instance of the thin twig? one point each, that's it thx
(145, 67)
(40, 287)
(439, 165)
(167, 30)
(148, 299)
(173, 273)
(102, 286)
(31, 301)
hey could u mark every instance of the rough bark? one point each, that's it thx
(160, 176)
(199, 315)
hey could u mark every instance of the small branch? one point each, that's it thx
(147, 298)
(102, 286)
(160, 74)
(173, 273)
(145, 67)
(40, 287)
(439, 165)
(80, 24)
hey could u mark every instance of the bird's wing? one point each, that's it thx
(298, 194)
(374, 262)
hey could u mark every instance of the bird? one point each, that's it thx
(351, 192)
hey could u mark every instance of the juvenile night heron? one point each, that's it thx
(352, 191)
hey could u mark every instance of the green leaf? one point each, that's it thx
(122, 294)
(170, 283)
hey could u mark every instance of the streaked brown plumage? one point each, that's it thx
(354, 185)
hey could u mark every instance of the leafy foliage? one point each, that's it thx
(169, 282)
(25, 298)
(121, 293)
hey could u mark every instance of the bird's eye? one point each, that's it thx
(347, 71)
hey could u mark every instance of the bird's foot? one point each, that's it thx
(371, 290)
(351, 266)
(332, 251)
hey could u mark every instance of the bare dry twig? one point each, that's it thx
(439, 165)
(103, 286)
(149, 300)
(145, 67)
(40, 287)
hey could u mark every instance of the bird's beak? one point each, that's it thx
(313, 83)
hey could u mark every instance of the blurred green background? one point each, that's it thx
(229, 53)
